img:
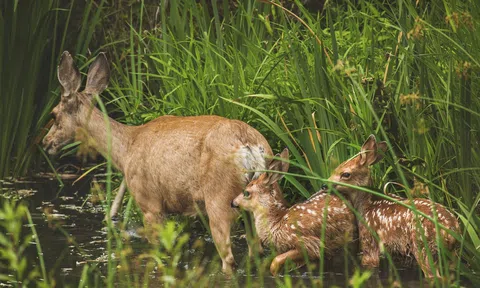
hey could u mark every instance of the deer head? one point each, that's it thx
(66, 115)
(356, 171)
(263, 192)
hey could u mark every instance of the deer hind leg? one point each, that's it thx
(220, 221)
(294, 255)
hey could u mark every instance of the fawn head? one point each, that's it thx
(355, 171)
(264, 191)
(65, 115)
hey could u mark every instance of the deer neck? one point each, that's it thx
(107, 136)
(268, 220)
(361, 201)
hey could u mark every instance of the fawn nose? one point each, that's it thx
(324, 187)
(233, 205)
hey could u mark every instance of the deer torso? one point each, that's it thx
(301, 225)
(180, 160)
(400, 228)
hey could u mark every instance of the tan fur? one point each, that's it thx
(397, 227)
(171, 164)
(298, 228)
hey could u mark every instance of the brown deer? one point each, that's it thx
(399, 229)
(298, 228)
(171, 164)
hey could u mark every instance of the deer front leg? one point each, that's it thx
(421, 255)
(294, 255)
(152, 208)
(116, 204)
(369, 247)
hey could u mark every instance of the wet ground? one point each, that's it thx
(80, 218)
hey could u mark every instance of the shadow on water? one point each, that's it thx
(83, 240)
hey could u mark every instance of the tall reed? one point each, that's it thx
(316, 83)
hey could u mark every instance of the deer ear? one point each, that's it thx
(98, 75)
(68, 75)
(383, 147)
(277, 165)
(368, 153)
(284, 156)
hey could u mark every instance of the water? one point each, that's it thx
(80, 219)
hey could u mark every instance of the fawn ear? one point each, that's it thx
(68, 75)
(98, 75)
(284, 156)
(368, 154)
(277, 165)
(379, 156)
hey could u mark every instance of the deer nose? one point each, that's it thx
(233, 205)
(46, 144)
(324, 187)
(44, 141)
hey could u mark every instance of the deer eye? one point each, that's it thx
(345, 175)
(246, 194)
(54, 116)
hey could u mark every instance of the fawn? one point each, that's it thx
(298, 228)
(399, 229)
(171, 164)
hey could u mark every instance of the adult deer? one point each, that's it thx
(399, 229)
(171, 164)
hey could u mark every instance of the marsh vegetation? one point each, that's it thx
(315, 82)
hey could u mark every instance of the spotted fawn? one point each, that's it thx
(298, 228)
(399, 229)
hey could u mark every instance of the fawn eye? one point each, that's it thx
(246, 194)
(54, 116)
(345, 175)
(272, 192)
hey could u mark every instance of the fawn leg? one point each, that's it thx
(294, 255)
(369, 247)
(419, 252)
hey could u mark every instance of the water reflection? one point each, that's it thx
(72, 233)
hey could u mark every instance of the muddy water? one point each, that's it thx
(79, 218)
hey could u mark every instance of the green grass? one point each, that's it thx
(33, 36)
(322, 84)
(23, 49)
(317, 84)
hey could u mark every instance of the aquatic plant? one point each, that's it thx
(317, 84)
